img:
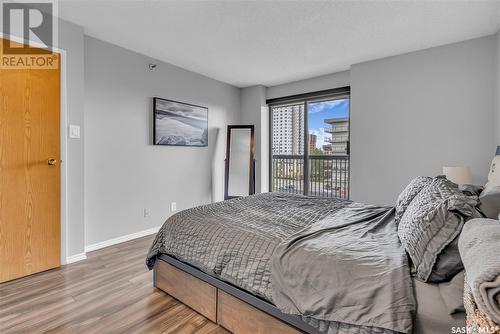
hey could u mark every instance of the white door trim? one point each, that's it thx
(64, 160)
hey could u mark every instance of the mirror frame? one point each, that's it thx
(251, 181)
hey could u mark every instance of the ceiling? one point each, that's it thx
(246, 43)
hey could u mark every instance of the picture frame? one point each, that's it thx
(178, 123)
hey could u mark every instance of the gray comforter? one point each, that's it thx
(235, 240)
(350, 267)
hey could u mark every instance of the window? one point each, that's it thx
(309, 144)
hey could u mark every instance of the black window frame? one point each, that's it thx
(306, 98)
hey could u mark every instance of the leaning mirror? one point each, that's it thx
(240, 166)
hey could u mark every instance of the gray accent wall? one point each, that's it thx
(414, 113)
(329, 81)
(411, 114)
(497, 92)
(71, 40)
(254, 111)
(124, 172)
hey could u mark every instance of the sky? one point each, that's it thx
(319, 111)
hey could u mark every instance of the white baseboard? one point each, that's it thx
(111, 242)
(75, 258)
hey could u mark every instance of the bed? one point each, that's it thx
(247, 264)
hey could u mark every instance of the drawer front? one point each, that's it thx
(242, 318)
(195, 293)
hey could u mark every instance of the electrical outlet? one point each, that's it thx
(173, 206)
(147, 213)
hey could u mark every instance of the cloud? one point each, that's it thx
(322, 106)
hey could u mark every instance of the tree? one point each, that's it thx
(317, 151)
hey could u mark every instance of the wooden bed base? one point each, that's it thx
(225, 304)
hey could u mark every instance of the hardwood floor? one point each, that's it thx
(110, 292)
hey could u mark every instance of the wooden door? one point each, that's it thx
(29, 180)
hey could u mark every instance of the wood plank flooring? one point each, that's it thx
(110, 292)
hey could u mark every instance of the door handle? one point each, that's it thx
(51, 162)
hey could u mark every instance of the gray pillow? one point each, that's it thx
(452, 293)
(408, 194)
(471, 189)
(490, 201)
(448, 264)
(432, 220)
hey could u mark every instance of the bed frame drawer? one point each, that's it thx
(242, 318)
(195, 293)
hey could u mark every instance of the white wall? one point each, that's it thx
(124, 173)
(411, 114)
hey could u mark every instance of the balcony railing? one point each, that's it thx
(335, 139)
(328, 175)
(337, 129)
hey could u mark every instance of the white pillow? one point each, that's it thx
(490, 200)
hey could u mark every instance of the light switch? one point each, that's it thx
(74, 131)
